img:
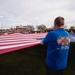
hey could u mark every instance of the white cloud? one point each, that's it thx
(17, 12)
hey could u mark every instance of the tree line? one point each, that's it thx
(43, 28)
(31, 28)
(40, 28)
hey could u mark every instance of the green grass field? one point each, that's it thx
(31, 61)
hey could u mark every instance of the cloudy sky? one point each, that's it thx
(35, 12)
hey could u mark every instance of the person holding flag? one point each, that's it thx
(58, 44)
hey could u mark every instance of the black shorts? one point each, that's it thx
(50, 71)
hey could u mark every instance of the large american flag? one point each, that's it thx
(18, 41)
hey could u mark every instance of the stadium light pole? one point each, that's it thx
(1, 22)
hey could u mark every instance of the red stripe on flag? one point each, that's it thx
(18, 41)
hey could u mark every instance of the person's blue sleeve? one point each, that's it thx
(47, 38)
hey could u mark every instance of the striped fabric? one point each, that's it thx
(18, 41)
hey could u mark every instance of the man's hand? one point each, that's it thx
(41, 43)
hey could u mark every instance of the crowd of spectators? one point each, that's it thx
(14, 30)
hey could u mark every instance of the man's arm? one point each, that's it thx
(45, 40)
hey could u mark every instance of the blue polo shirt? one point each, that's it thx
(58, 42)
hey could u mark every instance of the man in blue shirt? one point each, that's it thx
(58, 42)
